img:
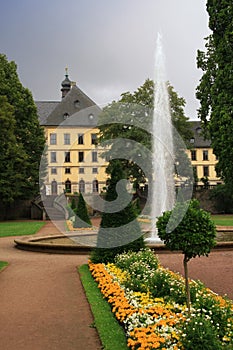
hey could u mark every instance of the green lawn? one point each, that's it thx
(223, 220)
(3, 264)
(110, 332)
(15, 228)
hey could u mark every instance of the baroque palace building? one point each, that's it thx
(74, 159)
(74, 162)
(202, 157)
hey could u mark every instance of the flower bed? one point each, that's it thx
(70, 227)
(155, 316)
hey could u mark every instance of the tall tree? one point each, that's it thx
(12, 156)
(27, 130)
(130, 118)
(216, 86)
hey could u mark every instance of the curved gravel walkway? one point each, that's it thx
(43, 305)
(42, 302)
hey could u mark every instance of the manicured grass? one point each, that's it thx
(15, 228)
(110, 332)
(3, 264)
(222, 220)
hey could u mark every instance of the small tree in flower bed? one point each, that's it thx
(194, 235)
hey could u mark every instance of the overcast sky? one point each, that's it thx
(108, 45)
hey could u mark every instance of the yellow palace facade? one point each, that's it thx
(74, 161)
(202, 157)
(74, 158)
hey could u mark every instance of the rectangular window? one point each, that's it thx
(81, 157)
(66, 139)
(93, 139)
(53, 139)
(107, 158)
(53, 157)
(193, 155)
(205, 171)
(94, 156)
(81, 170)
(205, 155)
(67, 171)
(94, 170)
(80, 139)
(53, 170)
(67, 157)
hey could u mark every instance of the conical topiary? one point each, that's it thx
(82, 218)
(119, 230)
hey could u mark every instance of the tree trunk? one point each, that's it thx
(187, 290)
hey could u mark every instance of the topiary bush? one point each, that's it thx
(194, 235)
(82, 218)
(119, 230)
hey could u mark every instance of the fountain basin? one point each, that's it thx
(62, 244)
(83, 242)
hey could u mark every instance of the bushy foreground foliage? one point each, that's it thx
(156, 317)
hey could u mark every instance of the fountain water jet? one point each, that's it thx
(163, 186)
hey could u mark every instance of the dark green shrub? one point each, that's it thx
(82, 218)
(119, 230)
(137, 206)
(105, 255)
(73, 203)
(223, 198)
(70, 211)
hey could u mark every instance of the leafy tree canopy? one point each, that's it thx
(12, 156)
(216, 86)
(27, 130)
(194, 235)
(130, 118)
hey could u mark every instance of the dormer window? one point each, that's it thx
(77, 104)
(198, 130)
(65, 116)
(192, 140)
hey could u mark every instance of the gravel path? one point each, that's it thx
(215, 271)
(43, 305)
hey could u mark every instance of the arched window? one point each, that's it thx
(82, 186)
(54, 187)
(68, 186)
(95, 186)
